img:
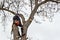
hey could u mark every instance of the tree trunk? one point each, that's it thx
(24, 37)
(15, 32)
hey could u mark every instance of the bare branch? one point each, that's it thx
(33, 12)
(23, 19)
(3, 4)
(31, 4)
(7, 10)
(36, 2)
(55, 1)
(42, 3)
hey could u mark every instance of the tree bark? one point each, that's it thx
(15, 32)
(24, 37)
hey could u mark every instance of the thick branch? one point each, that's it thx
(55, 1)
(31, 16)
(33, 13)
(35, 9)
(7, 10)
(36, 2)
(42, 3)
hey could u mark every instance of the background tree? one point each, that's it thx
(16, 6)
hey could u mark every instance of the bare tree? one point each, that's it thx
(8, 5)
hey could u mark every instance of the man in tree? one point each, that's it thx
(17, 22)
